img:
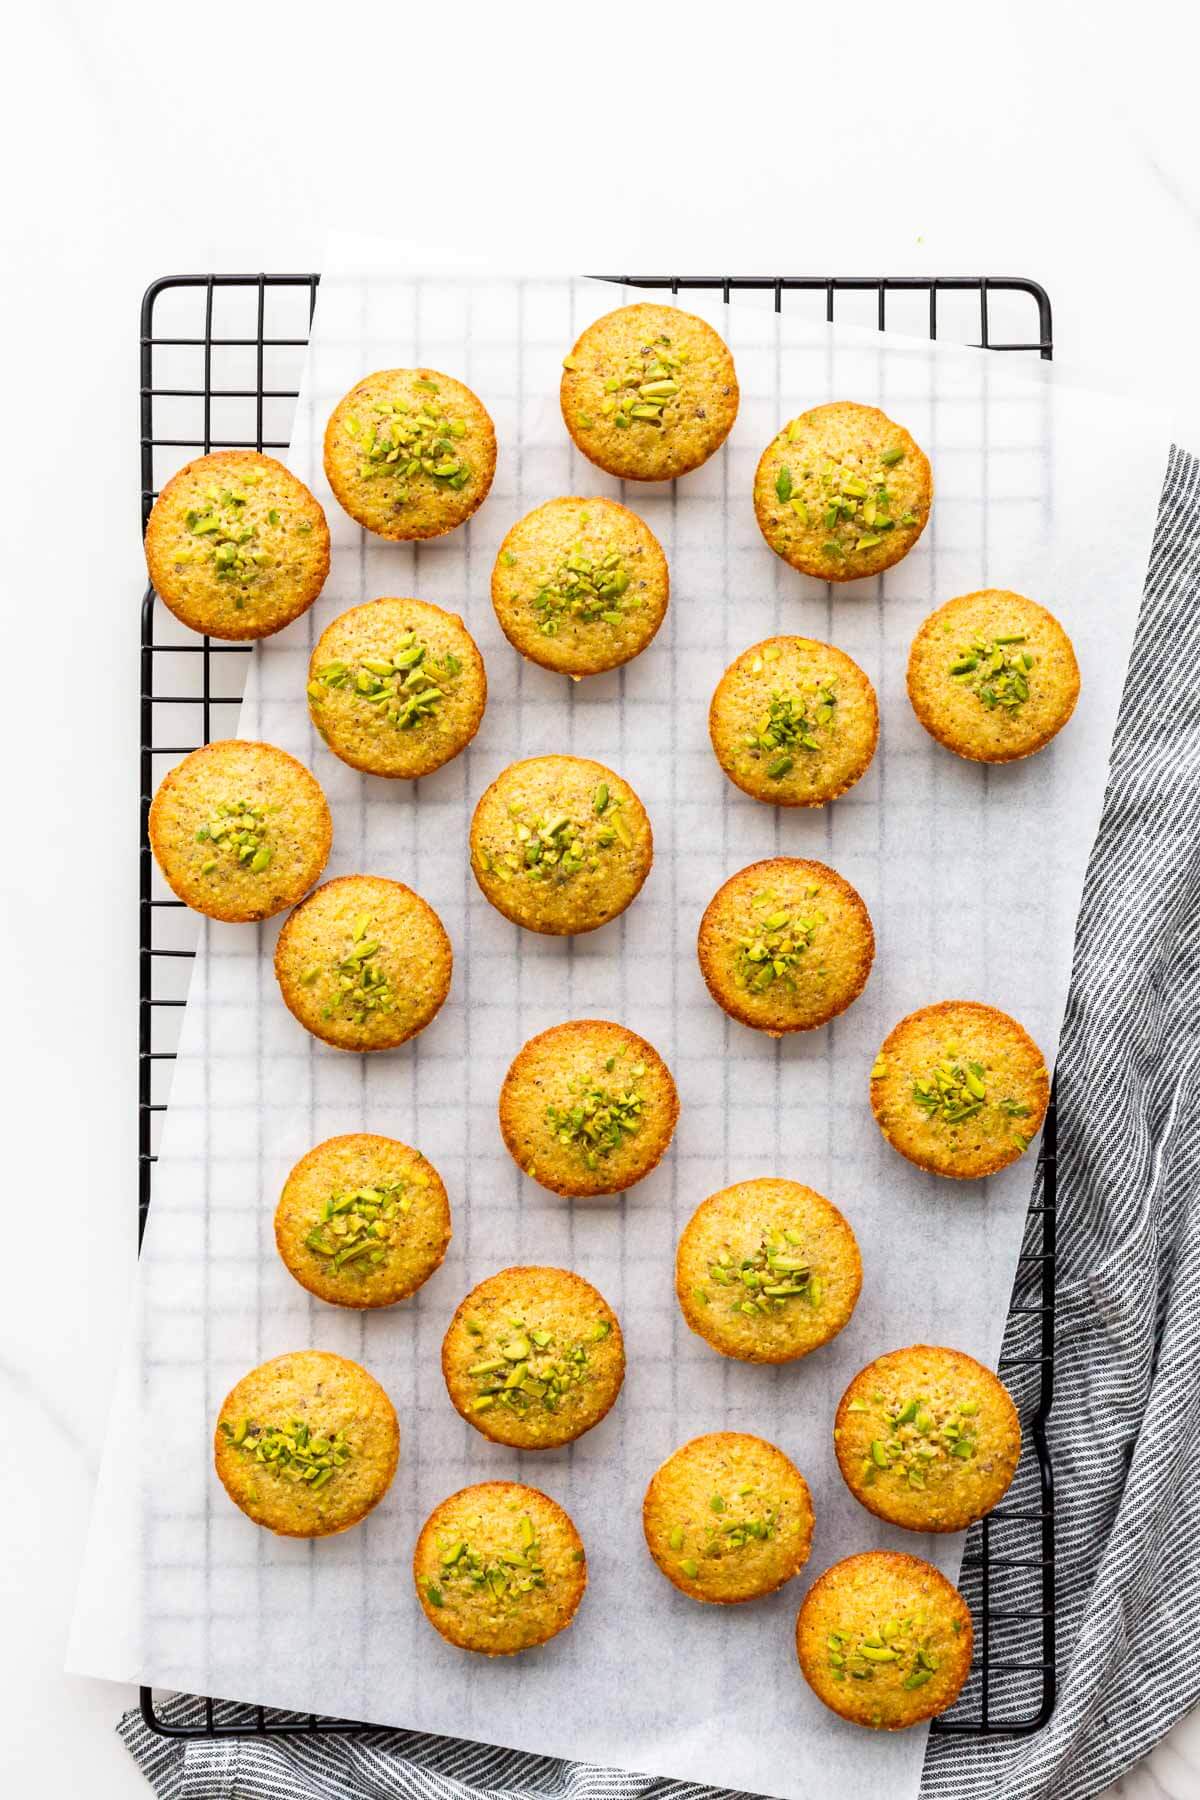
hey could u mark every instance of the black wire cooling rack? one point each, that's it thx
(220, 366)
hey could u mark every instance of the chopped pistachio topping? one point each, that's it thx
(587, 588)
(995, 669)
(781, 936)
(405, 685)
(770, 1278)
(553, 847)
(644, 393)
(506, 1575)
(292, 1452)
(850, 501)
(917, 1437)
(789, 726)
(740, 1519)
(361, 987)
(237, 832)
(597, 1117)
(901, 1651)
(356, 1228)
(221, 534)
(529, 1368)
(410, 445)
(956, 1090)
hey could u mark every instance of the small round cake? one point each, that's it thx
(588, 1108)
(362, 1221)
(580, 586)
(307, 1444)
(236, 546)
(992, 676)
(649, 392)
(396, 687)
(927, 1438)
(786, 945)
(767, 1270)
(499, 1568)
(794, 722)
(533, 1358)
(363, 963)
(560, 844)
(842, 492)
(240, 830)
(728, 1518)
(884, 1640)
(410, 453)
(960, 1089)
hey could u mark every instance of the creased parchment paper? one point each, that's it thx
(972, 877)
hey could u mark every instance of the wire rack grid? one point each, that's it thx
(220, 359)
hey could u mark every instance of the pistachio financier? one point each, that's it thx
(307, 1444)
(362, 1220)
(240, 830)
(728, 1518)
(649, 392)
(794, 722)
(884, 1640)
(992, 676)
(236, 546)
(499, 1568)
(785, 945)
(363, 963)
(588, 1108)
(560, 844)
(767, 1270)
(927, 1438)
(410, 453)
(533, 1357)
(842, 492)
(960, 1089)
(396, 687)
(580, 586)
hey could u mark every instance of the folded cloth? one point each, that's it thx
(1127, 1402)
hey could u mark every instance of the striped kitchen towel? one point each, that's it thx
(1127, 1401)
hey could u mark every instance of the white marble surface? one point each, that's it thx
(1049, 140)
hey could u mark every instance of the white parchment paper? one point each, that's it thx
(972, 876)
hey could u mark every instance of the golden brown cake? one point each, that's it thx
(960, 1089)
(396, 687)
(794, 722)
(767, 1270)
(649, 392)
(580, 586)
(842, 492)
(560, 844)
(533, 1357)
(785, 945)
(410, 453)
(362, 1221)
(236, 546)
(728, 1518)
(927, 1438)
(588, 1108)
(307, 1444)
(364, 963)
(499, 1567)
(992, 676)
(240, 830)
(884, 1640)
